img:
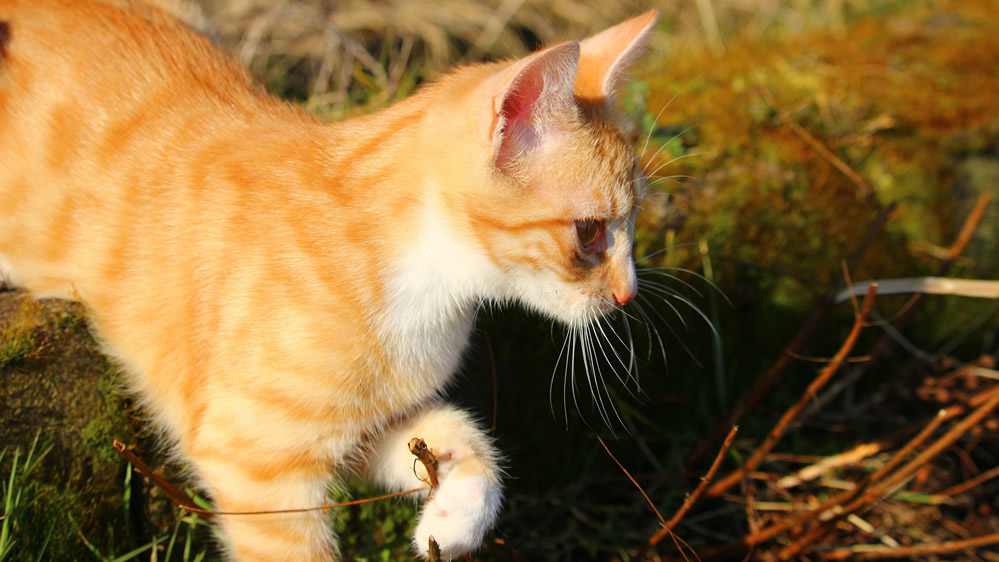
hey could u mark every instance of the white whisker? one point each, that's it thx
(666, 293)
(551, 387)
(599, 382)
(651, 329)
(655, 122)
(624, 382)
(670, 293)
(677, 278)
(661, 148)
(669, 327)
(572, 380)
(672, 160)
(657, 252)
(687, 271)
(632, 363)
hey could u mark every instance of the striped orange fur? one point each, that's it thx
(288, 297)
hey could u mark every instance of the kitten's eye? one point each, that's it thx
(590, 233)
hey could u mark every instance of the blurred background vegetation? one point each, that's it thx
(786, 139)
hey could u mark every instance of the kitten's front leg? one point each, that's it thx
(467, 502)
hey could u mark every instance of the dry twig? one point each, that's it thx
(818, 313)
(433, 550)
(886, 343)
(698, 492)
(815, 470)
(633, 481)
(970, 483)
(879, 488)
(873, 552)
(178, 497)
(778, 431)
(419, 448)
(184, 501)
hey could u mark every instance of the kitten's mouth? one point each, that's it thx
(592, 308)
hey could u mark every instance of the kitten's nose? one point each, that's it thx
(625, 297)
(624, 285)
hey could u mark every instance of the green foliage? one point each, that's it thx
(373, 531)
(110, 420)
(20, 493)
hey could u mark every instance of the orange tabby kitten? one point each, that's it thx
(288, 297)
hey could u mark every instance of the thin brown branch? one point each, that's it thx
(633, 481)
(849, 285)
(832, 158)
(886, 343)
(178, 497)
(809, 358)
(185, 502)
(970, 483)
(780, 429)
(433, 550)
(818, 146)
(923, 435)
(767, 533)
(815, 317)
(873, 552)
(419, 448)
(879, 490)
(698, 492)
(968, 229)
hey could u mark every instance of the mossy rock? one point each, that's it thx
(64, 391)
(795, 143)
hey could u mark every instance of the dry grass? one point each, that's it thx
(341, 54)
(18, 339)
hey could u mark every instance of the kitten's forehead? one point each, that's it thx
(612, 164)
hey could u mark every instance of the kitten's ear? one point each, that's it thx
(604, 57)
(524, 96)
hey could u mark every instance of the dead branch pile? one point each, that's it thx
(923, 488)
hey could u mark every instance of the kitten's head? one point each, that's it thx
(555, 206)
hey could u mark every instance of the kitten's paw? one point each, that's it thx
(458, 515)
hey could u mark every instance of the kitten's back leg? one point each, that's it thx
(253, 479)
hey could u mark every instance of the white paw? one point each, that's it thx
(458, 515)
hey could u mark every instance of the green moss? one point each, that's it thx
(68, 391)
(110, 421)
(378, 530)
(19, 340)
(764, 194)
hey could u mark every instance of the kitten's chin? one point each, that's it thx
(573, 310)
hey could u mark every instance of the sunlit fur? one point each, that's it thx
(289, 297)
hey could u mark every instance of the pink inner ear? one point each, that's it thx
(532, 89)
(520, 99)
(518, 133)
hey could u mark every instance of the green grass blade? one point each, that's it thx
(173, 539)
(137, 551)
(10, 499)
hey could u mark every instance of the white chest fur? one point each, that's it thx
(434, 290)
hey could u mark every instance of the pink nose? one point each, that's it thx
(623, 299)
